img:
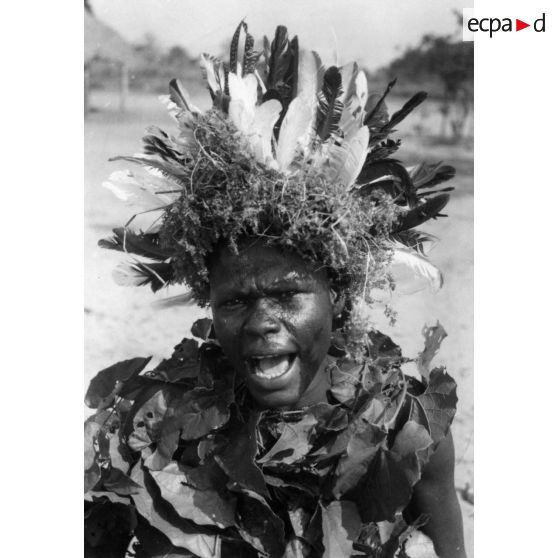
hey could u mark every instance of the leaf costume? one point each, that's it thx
(193, 468)
(179, 460)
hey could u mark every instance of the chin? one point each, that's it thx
(279, 401)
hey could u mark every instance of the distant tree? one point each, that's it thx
(448, 60)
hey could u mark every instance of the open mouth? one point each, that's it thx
(269, 367)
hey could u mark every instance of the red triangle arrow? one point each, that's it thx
(519, 25)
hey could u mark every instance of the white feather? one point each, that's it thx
(244, 95)
(346, 160)
(412, 272)
(261, 131)
(211, 70)
(294, 129)
(140, 189)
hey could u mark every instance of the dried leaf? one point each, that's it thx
(433, 337)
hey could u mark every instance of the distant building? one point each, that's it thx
(104, 43)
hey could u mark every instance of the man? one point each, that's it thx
(292, 430)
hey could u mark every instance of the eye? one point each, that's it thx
(286, 295)
(232, 303)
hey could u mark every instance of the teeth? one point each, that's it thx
(271, 367)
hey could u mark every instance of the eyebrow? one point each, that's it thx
(242, 289)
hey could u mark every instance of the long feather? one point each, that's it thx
(278, 57)
(168, 169)
(127, 188)
(347, 159)
(261, 132)
(406, 109)
(214, 74)
(330, 106)
(423, 212)
(186, 299)
(238, 44)
(387, 168)
(244, 96)
(138, 243)
(180, 96)
(138, 274)
(295, 126)
(378, 109)
(412, 272)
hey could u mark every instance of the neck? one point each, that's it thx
(316, 392)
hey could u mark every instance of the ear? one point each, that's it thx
(337, 302)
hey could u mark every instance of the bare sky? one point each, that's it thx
(369, 31)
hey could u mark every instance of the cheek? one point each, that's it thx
(314, 327)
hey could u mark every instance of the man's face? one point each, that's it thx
(272, 315)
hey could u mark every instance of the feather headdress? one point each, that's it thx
(290, 151)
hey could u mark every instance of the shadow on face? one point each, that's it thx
(272, 314)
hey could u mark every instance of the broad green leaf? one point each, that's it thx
(184, 362)
(340, 524)
(414, 445)
(362, 446)
(259, 526)
(91, 477)
(104, 383)
(91, 433)
(412, 438)
(118, 482)
(433, 337)
(236, 458)
(151, 543)
(294, 442)
(204, 507)
(162, 516)
(438, 403)
(201, 328)
(384, 490)
(200, 411)
(100, 495)
(108, 528)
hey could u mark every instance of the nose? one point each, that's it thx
(262, 320)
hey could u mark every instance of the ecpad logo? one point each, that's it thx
(493, 25)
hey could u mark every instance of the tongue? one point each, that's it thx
(273, 365)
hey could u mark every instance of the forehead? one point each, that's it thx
(261, 265)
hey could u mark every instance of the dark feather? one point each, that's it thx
(234, 55)
(155, 145)
(406, 109)
(415, 240)
(428, 176)
(423, 212)
(330, 106)
(156, 275)
(250, 56)
(278, 57)
(383, 150)
(379, 111)
(436, 192)
(403, 189)
(141, 244)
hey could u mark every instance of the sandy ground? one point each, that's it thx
(122, 323)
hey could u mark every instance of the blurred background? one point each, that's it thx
(134, 47)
